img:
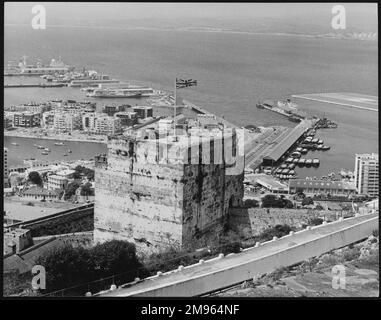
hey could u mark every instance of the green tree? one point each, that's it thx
(115, 257)
(307, 201)
(71, 188)
(86, 190)
(67, 266)
(35, 178)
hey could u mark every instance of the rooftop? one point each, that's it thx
(269, 181)
(40, 191)
(285, 144)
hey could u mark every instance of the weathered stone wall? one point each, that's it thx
(147, 195)
(253, 221)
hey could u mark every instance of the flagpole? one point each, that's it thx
(174, 109)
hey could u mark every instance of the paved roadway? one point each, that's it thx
(228, 262)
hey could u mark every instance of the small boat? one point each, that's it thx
(302, 161)
(65, 154)
(44, 153)
(296, 154)
(319, 147)
(289, 160)
(343, 173)
(69, 151)
(59, 144)
(324, 148)
(308, 162)
(320, 141)
(292, 166)
(299, 149)
(296, 160)
(47, 149)
(14, 144)
(315, 162)
(315, 140)
(40, 147)
(283, 166)
(285, 171)
(304, 151)
(292, 172)
(35, 145)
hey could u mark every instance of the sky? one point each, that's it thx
(359, 14)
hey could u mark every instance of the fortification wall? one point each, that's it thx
(253, 221)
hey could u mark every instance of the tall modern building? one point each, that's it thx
(366, 174)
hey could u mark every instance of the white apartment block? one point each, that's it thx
(64, 122)
(56, 182)
(88, 122)
(101, 124)
(108, 125)
(366, 174)
(48, 119)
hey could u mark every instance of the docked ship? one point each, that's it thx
(55, 67)
(130, 92)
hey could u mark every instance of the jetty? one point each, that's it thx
(35, 85)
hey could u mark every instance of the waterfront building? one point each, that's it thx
(56, 181)
(143, 111)
(269, 183)
(7, 123)
(366, 174)
(48, 119)
(88, 122)
(156, 193)
(106, 125)
(128, 118)
(66, 122)
(26, 119)
(36, 107)
(110, 110)
(338, 188)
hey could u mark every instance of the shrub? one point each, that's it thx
(315, 221)
(307, 201)
(68, 266)
(277, 231)
(251, 203)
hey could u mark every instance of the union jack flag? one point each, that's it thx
(181, 83)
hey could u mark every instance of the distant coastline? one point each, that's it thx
(362, 36)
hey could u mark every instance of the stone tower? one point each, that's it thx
(162, 192)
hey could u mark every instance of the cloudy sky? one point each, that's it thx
(358, 14)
